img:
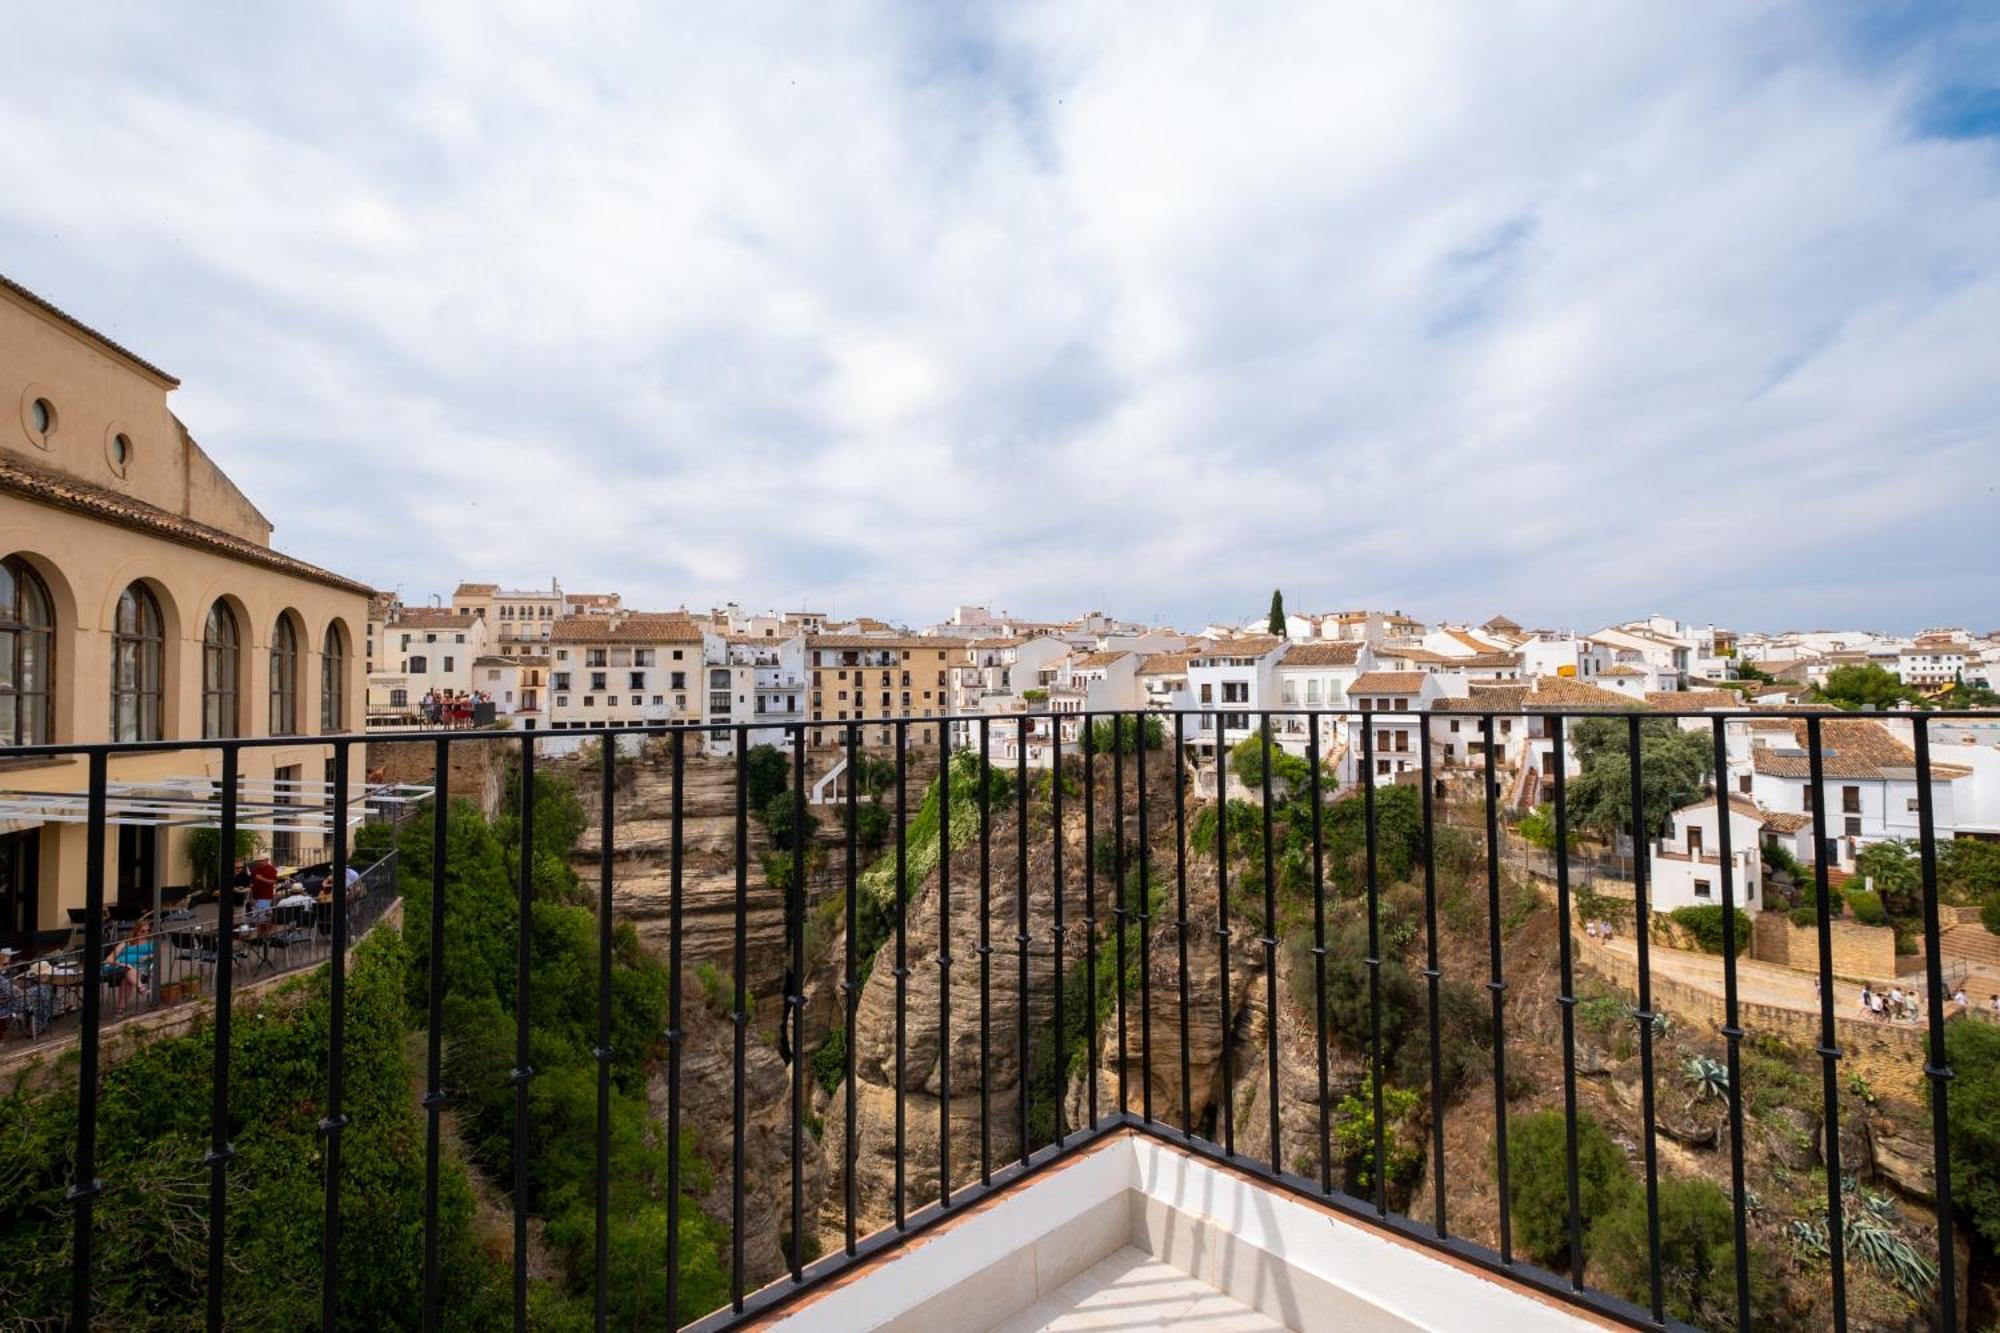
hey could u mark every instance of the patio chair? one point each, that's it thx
(294, 926)
(192, 946)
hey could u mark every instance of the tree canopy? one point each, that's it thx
(1864, 686)
(1277, 623)
(1674, 768)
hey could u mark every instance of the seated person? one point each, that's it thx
(297, 897)
(130, 965)
(23, 998)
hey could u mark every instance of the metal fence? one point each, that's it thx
(45, 993)
(1124, 1043)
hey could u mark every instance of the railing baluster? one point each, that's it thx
(1021, 1025)
(850, 988)
(1433, 975)
(522, 1071)
(335, 1120)
(1060, 1077)
(676, 1034)
(1642, 921)
(1566, 999)
(1829, 1052)
(220, 1149)
(795, 1000)
(1119, 909)
(1937, 1067)
(985, 951)
(83, 1194)
(739, 1018)
(1269, 939)
(1319, 963)
(1145, 923)
(1091, 1023)
(944, 964)
(605, 816)
(1496, 985)
(1732, 1022)
(902, 972)
(1181, 920)
(434, 1097)
(1222, 941)
(1373, 962)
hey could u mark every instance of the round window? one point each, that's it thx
(121, 449)
(42, 416)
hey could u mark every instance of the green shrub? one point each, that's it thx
(770, 770)
(202, 846)
(1697, 1255)
(1247, 761)
(153, 1130)
(1972, 1050)
(829, 1062)
(1124, 733)
(1354, 1137)
(1866, 905)
(1538, 1181)
(1705, 924)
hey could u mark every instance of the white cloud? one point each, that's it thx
(1457, 307)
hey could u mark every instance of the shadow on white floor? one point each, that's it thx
(1130, 1289)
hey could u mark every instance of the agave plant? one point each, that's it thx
(1707, 1079)
(1889, 1253)
(1872, 1234)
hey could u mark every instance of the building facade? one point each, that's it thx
(141, 600)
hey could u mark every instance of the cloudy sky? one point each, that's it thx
(1572, 311)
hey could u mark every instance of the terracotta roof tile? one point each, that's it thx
(1164, 664)
(1091, 661)
(430, 617)
(21, 477)
(1387, 682)
(628, 627)
(1683, 700)
(1323, 653)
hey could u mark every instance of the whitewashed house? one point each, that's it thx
(1868, 791)
(1316, 675)
(1686, 865)
(1231, 682)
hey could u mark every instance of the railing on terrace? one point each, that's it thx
(1123, 1053)
(47, 1004)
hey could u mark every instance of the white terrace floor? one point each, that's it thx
(1135, 1234)
(1131, 1289)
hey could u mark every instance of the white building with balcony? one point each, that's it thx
(1317, 674)
(626, 668)
(1231, 681)
(1868, 790)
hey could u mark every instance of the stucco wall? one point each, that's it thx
(1862, 952)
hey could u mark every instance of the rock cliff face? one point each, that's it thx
(986, 1089)
(995, 1083)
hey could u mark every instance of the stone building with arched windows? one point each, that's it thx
(141, 599)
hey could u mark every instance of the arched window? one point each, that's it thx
(221, 674)
(27, 656)
(138, 666)
(333, 681)
(284, 678)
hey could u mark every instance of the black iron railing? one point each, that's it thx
(1113, 1041)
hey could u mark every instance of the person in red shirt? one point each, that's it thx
(263, 887)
